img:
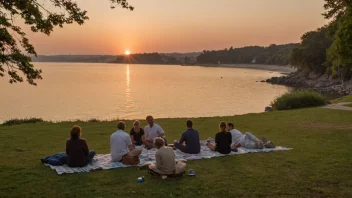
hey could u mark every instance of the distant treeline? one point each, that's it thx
(145, 58)
(272, 55)
(76, 58)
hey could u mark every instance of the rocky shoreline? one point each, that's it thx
(311, 81)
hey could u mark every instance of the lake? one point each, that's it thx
(84, 91)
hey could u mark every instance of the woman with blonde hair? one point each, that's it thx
(223, 140)
(77, 149)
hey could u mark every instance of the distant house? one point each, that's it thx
(192, 60)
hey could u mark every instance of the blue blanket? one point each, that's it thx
(58, 159)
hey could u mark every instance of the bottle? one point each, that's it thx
(140, 179)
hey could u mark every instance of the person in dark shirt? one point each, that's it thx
(223, 140)
(137, 134)
(77, 149)
(191, 138)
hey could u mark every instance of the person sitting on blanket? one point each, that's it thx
(137, 134)
(223, 140)
(121, 144)
(152, 131)
(191, 138)
(165, 160)
(77, 149)
(247, 140)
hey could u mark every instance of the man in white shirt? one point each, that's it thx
(247, 140)
(152, 131)
(121, 144)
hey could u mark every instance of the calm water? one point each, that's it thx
(110, 91)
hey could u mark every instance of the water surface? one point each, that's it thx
(110, 91)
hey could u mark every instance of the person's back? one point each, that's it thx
(77, 151)
(165, 160)
(223, 142)
(119, 142)
(191, 138)
(236, 136)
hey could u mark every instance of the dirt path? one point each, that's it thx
(339, 106)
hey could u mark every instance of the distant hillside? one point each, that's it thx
(182, 55)
(145, 58)
(76, 58)
(271, 55)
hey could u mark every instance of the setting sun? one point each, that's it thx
(127, 52)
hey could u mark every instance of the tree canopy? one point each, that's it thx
(15, 47)
(310, 55)
(340, 52)
(329, 48)
(335, 8)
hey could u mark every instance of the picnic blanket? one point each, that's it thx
(103, 161)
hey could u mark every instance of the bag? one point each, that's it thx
(58, 159)
(129, 160)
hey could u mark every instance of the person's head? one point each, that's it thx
(121, 126)
(150, 120)
(136, 124)
(222, 126)
(76, 132)
(158, 142)
(230, 126)
(189, 124)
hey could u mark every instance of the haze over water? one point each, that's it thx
(110, 91)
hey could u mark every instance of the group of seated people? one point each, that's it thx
(122, 145)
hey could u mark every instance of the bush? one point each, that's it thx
(17, 121)
(298, 99)
(93, 120)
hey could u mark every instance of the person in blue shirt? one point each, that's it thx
(191, 138)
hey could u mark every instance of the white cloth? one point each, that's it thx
(153, 132)
(119, 142)
(103, 161)
(248, 140)
(236, 136)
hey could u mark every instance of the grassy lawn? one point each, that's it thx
(343, 99)
(318, 166)
(349, 105)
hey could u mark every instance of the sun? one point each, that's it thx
(127, 52)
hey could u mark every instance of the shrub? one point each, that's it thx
(298, 99)
(17, 121)
(93, 120)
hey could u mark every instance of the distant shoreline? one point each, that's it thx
(283, 69)
(275, 68)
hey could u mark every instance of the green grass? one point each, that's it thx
(349, 105)
(318, 166)
(343, 99)
(298, 99)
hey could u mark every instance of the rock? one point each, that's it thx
(322, 83)
(312, 75)
(268, 109)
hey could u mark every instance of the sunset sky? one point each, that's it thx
(182, 26)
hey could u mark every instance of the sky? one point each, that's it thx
(181, 26)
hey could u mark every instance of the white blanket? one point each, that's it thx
(103, 161)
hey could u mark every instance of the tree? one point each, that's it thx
(13, 41)
(335, 8)
(340, 52)
(310, 55)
